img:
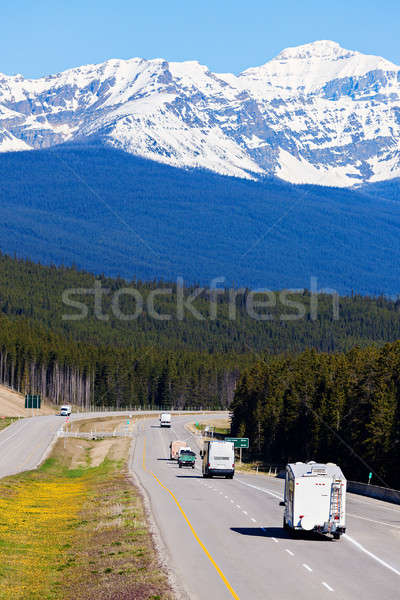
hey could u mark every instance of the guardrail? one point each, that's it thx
(374, 491)
(96, 408)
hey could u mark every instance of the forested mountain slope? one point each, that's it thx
(108, 212)
(342, 408)
(147, 361)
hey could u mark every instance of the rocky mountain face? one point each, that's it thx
(314, 114)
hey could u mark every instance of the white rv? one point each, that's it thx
(218, 459)
(165, 420)
(315, 498)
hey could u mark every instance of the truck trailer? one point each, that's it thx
(315, 498)
(218, 459)
(174, 449)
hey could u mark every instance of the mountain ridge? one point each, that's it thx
(315, 113)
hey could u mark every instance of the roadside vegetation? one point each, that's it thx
(76, 528)
(6, 421)
(342, 408)
(219, 426)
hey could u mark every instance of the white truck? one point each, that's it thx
(165, 420)
(315, 498)
(218, 459)
(65, 410)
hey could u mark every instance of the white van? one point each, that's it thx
(65, 410)
(165, 420)
(218, 459)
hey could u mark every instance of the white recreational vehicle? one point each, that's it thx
(218, 459)
(315, 498)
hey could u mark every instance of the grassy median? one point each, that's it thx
(6, 421)
(76, 529)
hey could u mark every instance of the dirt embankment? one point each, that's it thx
(12, 404)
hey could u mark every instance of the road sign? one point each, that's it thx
(32, 400)
(238, 442)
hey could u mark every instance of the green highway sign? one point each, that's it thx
(238, 442)
(32, 400)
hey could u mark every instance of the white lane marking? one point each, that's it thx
(307, 567)
(328, 587)
(379, 560)
(232, 501)
(226, 497)
(260, 489)
(289, 552)
(245, 512)
(254, 521)
(237, 506)
(373, 521)
(371, 502)
(275, 540)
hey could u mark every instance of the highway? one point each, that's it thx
(225, 538)
(24, 444)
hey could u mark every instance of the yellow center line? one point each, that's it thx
(202, 546)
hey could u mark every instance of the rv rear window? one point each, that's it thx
(221, 458)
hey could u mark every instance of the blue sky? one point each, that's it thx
(38, 37)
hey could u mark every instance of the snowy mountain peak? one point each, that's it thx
(316, 113)
(321, 49)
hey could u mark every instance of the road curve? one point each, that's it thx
(225, 538)
(24, 443)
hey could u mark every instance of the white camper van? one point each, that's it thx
(65, 410)
(315, 498)
(165, 420)
(218, 459)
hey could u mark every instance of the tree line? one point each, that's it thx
(339, 407)
(33, 359)
(35, 291)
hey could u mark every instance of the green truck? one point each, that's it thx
(187, 458)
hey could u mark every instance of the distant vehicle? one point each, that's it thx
(218, 459)
(174, 448)
(315, 498)
(165, 420)
(65, 410)
(187, 458)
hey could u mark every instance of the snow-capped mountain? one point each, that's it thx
(314, 114)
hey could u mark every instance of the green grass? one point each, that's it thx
(71, 532)
(6, 421)
(220, 430)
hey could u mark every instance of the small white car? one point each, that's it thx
(65, 410)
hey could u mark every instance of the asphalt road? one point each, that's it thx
(225, 537)
(24, 443)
